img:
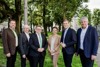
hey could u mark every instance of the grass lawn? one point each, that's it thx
(48, 62)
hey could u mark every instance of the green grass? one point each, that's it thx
(48, 62)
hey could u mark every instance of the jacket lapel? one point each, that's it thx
(25, 36)
(87, 33)
(37, 39)
(11, 32)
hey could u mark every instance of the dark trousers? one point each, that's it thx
(86, 62)
(67, 59)
(11, 60)
(23, 60)
(37, 60)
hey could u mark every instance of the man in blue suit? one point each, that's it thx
(38, 46)
(87, 44)
(68, 41)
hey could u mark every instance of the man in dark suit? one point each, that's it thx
(38, 45)
(87, 44)
(68, 41)
(10, 43)
(24, 45)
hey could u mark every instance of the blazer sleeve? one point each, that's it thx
(95, 41)
(5, 41)
(73, 39)
(31, 43)
(21, 44)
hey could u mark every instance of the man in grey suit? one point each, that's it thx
(24, 45)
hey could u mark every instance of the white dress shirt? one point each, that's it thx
(27, 35)
(15, 37)
(82, 36)
(52, 43)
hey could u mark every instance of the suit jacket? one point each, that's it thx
(34, 45)
(56, 44)
(70, 41)
(23, 44)
(90, 43)
(9, 39)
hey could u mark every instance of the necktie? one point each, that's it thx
(40, 40)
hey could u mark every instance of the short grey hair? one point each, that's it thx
(26, 26)
(84, 18)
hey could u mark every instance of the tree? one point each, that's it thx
(96, 17)
(53, 9)
(14, 12)
(84, 11)
(47, 11)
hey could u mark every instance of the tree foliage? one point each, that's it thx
(43, 12)
(84, 11)
(96, 16)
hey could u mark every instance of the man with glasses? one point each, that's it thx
(38, 46)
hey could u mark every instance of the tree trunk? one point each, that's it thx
(18, 25)
(18, 15)
(59, 27)
(44, 23)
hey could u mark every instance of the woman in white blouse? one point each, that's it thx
(54, 46)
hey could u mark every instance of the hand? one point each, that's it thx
(52, 51)
(40, 49)
(24, 56)
(93, 57)
(8, 55)
(63, 45)
(53, 54)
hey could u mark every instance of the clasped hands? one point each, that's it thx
(63, 45)
(52, 52)
(40, 49)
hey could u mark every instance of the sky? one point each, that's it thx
(92, 4)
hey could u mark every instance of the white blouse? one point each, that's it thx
(52, 42)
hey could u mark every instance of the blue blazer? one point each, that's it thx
(90, 43)
(34, 45)
(70, 41)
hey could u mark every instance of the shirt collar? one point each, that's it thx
(85, 28)
(66, 28)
